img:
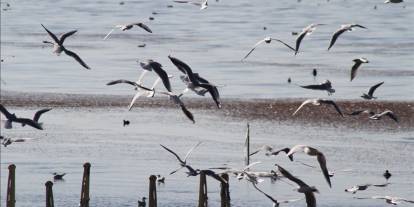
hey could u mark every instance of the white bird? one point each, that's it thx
(313, 152)
(305, 31)
(266, 40)
(390, 199)
(388, 113)
(357, 63)
(318, 102)
(271, 151)
(276, 203)
(203, 4)
(124, 27)
(344, 28)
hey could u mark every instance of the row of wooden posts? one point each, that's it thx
(152, 198)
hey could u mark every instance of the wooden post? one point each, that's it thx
(84, 201)
(202, 194)
(11, 186)
(225, 192)
(247, 146)
(49, 194)
(152, 197)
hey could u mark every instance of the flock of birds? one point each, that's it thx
(201, 86)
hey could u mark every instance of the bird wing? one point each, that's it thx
(322, 163)
(267, 195)
(299, 40)
(285, 150)
(175, 154)
(290, 47)
(358, 112)
(333, 104)
(250, 165)
(303, 104)
(358, 25)
(391, 115)
(29, 122)
(162, 74)
(335, 36)
(122, 81)
(213, 92)
(39, 113)
(187, 113)
(5, 112)
(315, 87)
(254, 47)
(289, 176)
(190, 151)
(264, 147)
(354, 69)
(143, 26)
(137, 95)
(53, 36)
(77, 58)
(64, 36)
(380, 185)
(373, 88)
(296, 148)
(310, 199)
(109, 33)
(155, 83)
(184, 68)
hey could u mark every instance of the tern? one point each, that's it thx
(344, 28)
(183, 162)
(271, 151)
(357, 63)
(24, 121)
(303, 187)
(266, 40)
(390, 199)
(305, 31)
(313, 152)
(388, 113)
(318, 102)
(203, 4)
(325, 86)
(276, 203)
(354, 189)
(371, 91)
(124, 27)
(59, 48)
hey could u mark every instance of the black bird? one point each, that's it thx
(59, 48)
(289, 80)
(371, 91)
(57, 176)
(24, 121)
(387, 175)
(314, 73)
(142, 203)
(344, 28)
(160, 179)
(126, 122)
(325, 86)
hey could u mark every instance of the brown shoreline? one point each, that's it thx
(279, 110)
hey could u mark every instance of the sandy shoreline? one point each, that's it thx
(279, 110)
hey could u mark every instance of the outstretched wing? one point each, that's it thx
(77, 58)
(109, 33)
(53, 36)
(303, 104)
(5, 112)
(39, 113)
(191, 150)
(143, 26)
(267, 195)
(187, 113)
(322, 163)
(29, 122)
(335, 36)
(354, 69)
(333, 104)
(175, 154)
(254, 47)
(373, 88)
(64, 36)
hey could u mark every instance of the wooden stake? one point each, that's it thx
(49, 194)
(152, 197)
(11, 186)
(84, 201)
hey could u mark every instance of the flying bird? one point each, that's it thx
(24, 121)
(388, 113)
(266, 40)
(57, 176)
(271, 151)
(390, 199)
(354, 189)
(393, 1)
(325, 86)
(203, 4)
(183, 162)
(359, 112)
(176, 99)
(313, 152)
(157, 68)
(58, 47)
(318, 102)
(357, 63)
(306, 31)
(160, 179)
(124, 27)
(387, 175)
(344, 28)
(9, 141)
(276, 203)
(371, 91)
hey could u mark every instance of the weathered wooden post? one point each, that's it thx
(84, 201)
(11, 186)
(202, 194)
(49, 194)
(225, 192)
(152, 197)
(247, 146)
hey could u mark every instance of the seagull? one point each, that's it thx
(57, 176)
(245, 173)
(157, 68)
(31, 122)
(145, 93)
(142, 203)
(354, 189)
(318, 102)
(391, 199)
(59, 48)
(393, 1)
(124, 27)
(344, 28)
(356, 65)
(183, 163)
(176, 99)
(9, 141)
(306, 31)
(199, 91)
(276, 203)
(385, 113)
(266, 40)
(313, 152)
(325, 86)
(270, 151)
(371, 91)
(303, 187)
(160, 179)
(196, 81)
(387, 175)
(203, 4)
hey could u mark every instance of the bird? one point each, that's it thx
(357, 63)
(289, 80)
(318, 102)
(393, 1)
(151, 65)
(160, 179)
(126, 122)
(276, 203)
(371, 91)
(387, 175)
(314, 73)
(57, 176)
(266, 40)
(124, 27)
(176, 99)
(305, 31)
(9, 141)
(359, 112)
(270, 151)
(341, 30)
(132, 83)
(390, 199)
(58, 47)
(303, 187)
(203, 4)
(325, 86)
(388, 113)
(183, 162)
(142, 203)
(313, 152)
(24, 121)
(196, 80)
(354, 189)
(145, 92)
(330, 172)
